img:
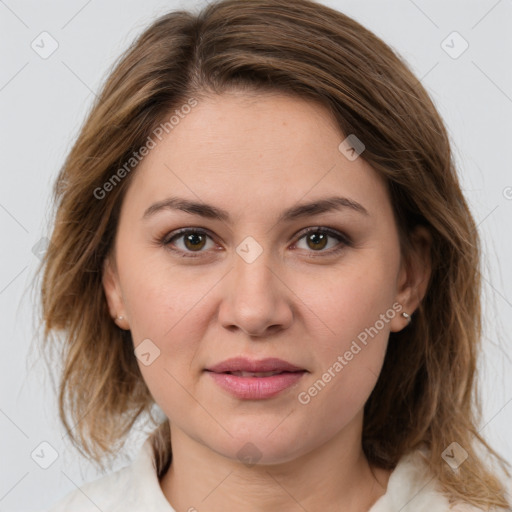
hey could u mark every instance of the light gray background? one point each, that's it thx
(43, 103)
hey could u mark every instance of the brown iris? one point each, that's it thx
(318, 239)
(192, 239)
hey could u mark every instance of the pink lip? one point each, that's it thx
(255, 388)
(237, 364)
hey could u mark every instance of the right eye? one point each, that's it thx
(193, 240)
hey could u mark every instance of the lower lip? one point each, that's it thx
(256, 388)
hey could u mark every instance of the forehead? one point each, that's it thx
(257, 149)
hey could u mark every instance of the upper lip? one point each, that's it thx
(244, 364)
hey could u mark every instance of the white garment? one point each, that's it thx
(136, 488)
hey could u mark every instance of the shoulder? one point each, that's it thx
(132, 488)
(412, 488)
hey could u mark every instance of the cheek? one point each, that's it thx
(347, 363)
(355, 309)
(168, 309)
(350, 300)
(159, 295)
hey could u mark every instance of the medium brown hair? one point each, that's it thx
(426, 392)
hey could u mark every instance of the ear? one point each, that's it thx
(112, 288)
(414, 275)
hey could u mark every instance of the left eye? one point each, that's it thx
(316, 239)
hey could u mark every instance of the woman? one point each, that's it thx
(260, 231)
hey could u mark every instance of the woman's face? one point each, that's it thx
(253, 283)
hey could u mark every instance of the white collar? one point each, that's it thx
(136, 488)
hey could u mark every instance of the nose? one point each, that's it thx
(255, 298)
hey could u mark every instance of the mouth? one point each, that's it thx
(257, 374)
(245, 367)
(248, 379)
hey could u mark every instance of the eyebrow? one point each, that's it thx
(295, 212)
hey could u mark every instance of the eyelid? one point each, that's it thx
(176, 234)
(324, 229)
(344, 241)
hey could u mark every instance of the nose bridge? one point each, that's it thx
(255, 300)
(253, 269)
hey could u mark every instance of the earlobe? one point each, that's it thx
(414, 277)
(402, 319)
(112, 291)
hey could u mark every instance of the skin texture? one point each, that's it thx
(255, 155)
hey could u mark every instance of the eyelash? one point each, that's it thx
(343, 239)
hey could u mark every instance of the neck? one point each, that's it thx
(333, 476)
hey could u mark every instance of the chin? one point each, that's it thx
(258, 447)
